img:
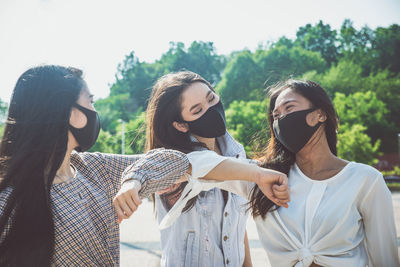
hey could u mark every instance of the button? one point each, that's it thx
(227, 261)
(237, 156)
(225, 238)
(226, 213)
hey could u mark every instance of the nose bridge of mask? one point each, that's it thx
(293, 130)
(210, 109)
(210, 124)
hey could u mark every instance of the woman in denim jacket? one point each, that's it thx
(185, 114)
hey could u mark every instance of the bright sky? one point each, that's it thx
(95, 35)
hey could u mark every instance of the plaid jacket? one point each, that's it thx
(86, 228)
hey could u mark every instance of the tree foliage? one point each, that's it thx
(359, 68)
(247, 122)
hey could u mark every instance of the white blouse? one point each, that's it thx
(346, 220)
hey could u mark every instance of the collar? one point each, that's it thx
(228, 145)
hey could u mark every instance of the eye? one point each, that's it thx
(212, 98)
(197, 112)
(289, 107)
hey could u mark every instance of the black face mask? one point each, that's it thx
(293, 131)
(86, 136)
(211, 124)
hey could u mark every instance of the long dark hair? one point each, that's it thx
(164, 108)
(276, 156)
(32, 149)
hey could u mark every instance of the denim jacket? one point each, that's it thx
(212, 232)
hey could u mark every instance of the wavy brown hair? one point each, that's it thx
(276, 156)
(163, 109)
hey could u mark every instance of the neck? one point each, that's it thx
(65, 170)
(315, 155)
(211, 143)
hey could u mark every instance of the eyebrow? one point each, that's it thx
(194, 106)
(284, 103)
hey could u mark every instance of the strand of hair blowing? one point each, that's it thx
(32, 150)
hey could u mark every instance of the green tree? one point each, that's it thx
(355, 145)
(3, 116)
(240, 78)
(361, 108)
(135, 134)
(386, 48)
(281, 62)
(134, 137)
(364, 108)
(136, 79)
(200, 57)
(362, 116)
(106, 143)
(320, 38)
(247, 122)
(3, 111)
(111, 109)
(345, 77)
(352, 42)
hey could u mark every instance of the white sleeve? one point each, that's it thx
(204, 161)
(380, 230)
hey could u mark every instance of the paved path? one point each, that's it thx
(140, 238)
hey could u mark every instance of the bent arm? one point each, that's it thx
(156, 170)
(239, 176)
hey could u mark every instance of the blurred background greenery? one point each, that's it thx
(359, 68)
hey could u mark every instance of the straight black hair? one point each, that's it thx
(32, 149)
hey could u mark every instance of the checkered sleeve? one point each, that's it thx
(157, 170)
(115, 165)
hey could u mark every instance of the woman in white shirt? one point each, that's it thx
(340, 213)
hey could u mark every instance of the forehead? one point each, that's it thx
(195, 93)
(289, 95)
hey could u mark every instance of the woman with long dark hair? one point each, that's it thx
(340, 213)
(185, 113)
(56, 204)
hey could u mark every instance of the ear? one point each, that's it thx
(321, 115)
(77, 118)
(182, 127)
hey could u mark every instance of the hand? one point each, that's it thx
(127, 199)
(274, 185)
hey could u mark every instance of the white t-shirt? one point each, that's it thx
(346, 220)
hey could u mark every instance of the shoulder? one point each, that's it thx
(371, 181)
(364, 171)
(86, 158)
(86, 162)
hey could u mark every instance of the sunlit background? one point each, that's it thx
(95, 35)
(352, 48)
